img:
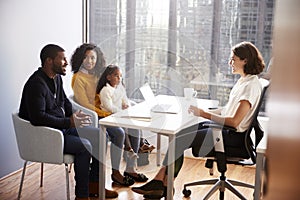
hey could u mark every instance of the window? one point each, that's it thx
(174, 44)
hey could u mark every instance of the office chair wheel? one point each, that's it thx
(186, 192)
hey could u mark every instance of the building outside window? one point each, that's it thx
(172, 44)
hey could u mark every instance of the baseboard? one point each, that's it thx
(17, 171)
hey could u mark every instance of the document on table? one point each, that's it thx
(136, 114)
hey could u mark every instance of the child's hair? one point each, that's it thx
(110, 69)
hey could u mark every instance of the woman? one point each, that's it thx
(88, 63)
(246, 61)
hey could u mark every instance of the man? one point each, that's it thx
(44, 103)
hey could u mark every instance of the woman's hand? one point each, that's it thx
(196, 111)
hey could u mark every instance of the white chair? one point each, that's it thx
(40, 144)
(76, 106)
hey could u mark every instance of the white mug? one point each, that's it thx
(189, 93)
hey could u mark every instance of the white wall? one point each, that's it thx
(26, 26)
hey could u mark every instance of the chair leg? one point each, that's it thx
(203, 182)
(217, 186)
(22, 179)
(70, 168)
(238, 183)
(222, 185)
(42, 174)
(230, 187)
(211, 171)
(210, 165)
(67, 182)
(214, 182)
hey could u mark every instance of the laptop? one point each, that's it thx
(155, 106)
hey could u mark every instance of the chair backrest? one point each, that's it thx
(255, 125)
(241, 154)
(92, 113)
(38, 143)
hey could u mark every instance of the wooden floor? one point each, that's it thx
(55, 187)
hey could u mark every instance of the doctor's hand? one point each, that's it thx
(80, 119)
(195, 111)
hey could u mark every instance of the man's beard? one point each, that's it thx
(59, 70)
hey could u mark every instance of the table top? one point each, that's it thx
(162, 123)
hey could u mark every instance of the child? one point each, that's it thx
(113, 98)
(112, 92)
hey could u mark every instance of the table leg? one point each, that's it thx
(258, 175)
(158, 151)
(171, 160)
(102, 161)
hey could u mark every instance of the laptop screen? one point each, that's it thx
(152, 102)
(148, 93)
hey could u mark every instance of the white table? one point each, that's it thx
(160, 123)
(260, 159)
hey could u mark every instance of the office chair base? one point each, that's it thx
(218, 184)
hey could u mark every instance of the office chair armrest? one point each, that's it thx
(219, 144)
(219, 126)
(217, 134)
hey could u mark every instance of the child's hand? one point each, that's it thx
(124, 106)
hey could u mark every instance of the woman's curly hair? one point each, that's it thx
(79, 55)
(255, 63)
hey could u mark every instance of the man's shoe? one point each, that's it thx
(109, 194)
(94, 191)
(154, 187)
(155, 196)
(83, 198)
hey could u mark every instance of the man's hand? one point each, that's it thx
(80, 119)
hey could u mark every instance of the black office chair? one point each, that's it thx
(245, 155)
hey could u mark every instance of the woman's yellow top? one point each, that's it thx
(84, 88)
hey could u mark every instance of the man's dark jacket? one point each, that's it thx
(44, 102)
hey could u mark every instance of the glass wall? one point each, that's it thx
(174, 44)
